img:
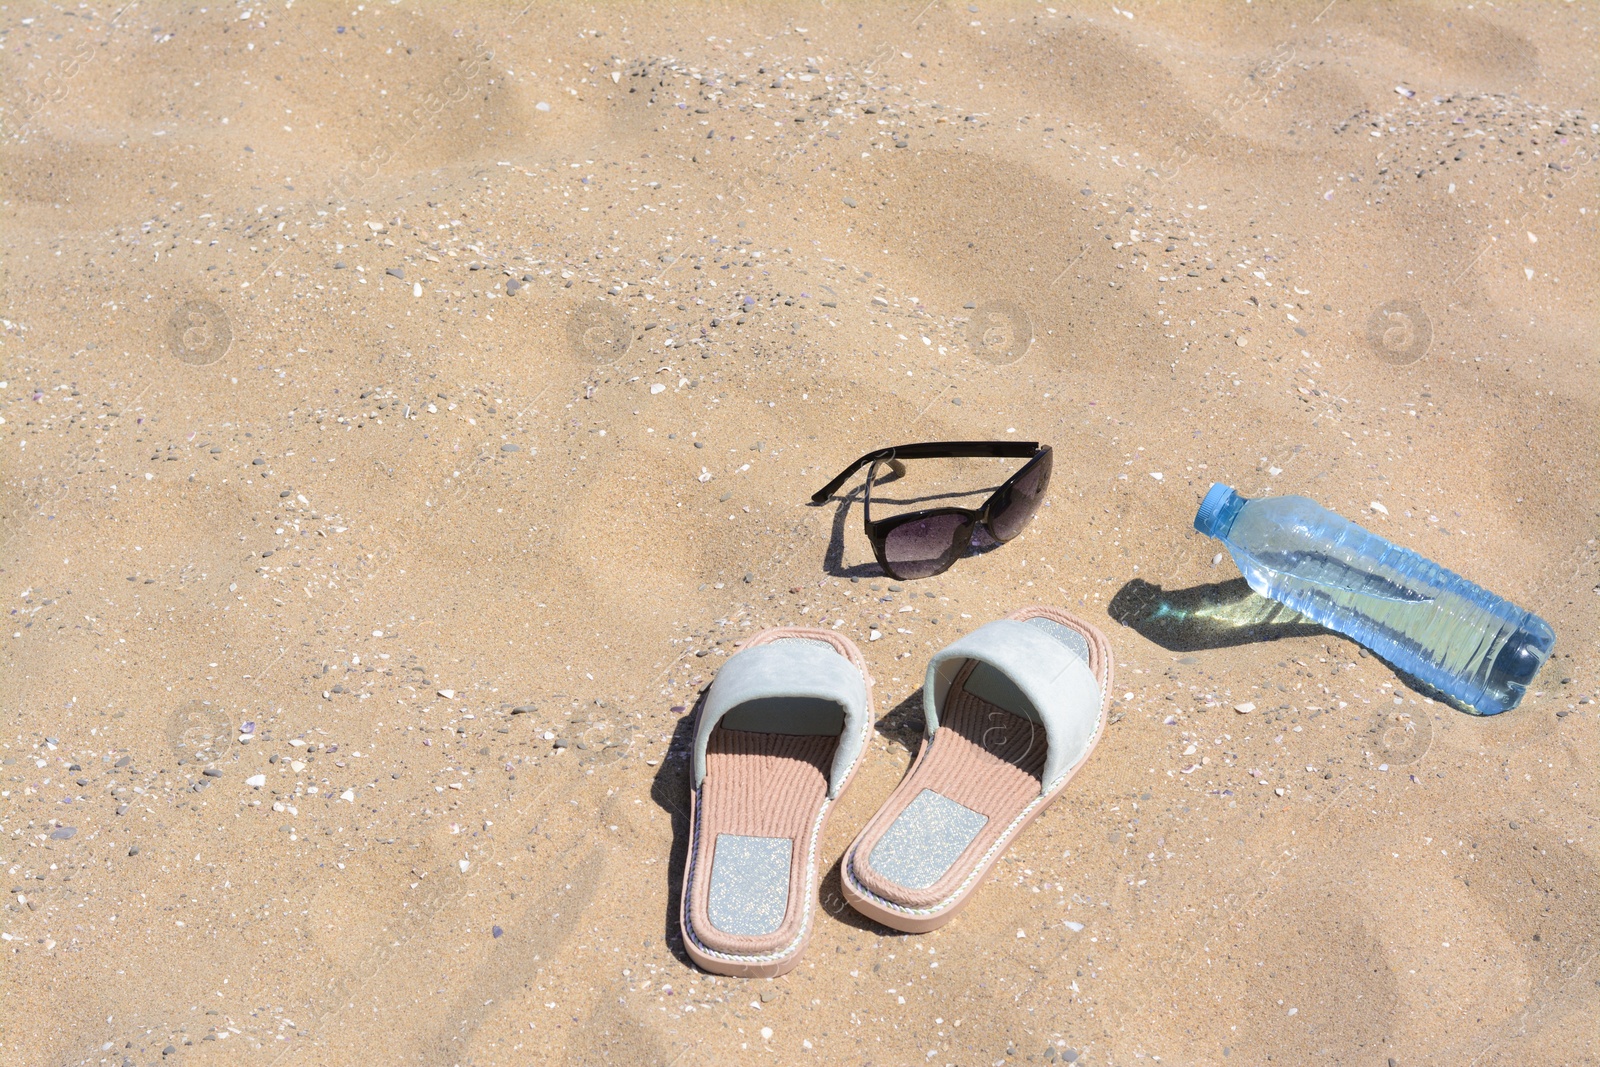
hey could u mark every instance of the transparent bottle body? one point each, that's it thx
(1459, 638)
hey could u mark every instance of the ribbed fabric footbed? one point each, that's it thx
(768, 786)
(761, 785)
(983, 758)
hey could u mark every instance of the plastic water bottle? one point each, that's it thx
(1469, 644)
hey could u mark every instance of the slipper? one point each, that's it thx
(1012, 711)
(777, 739)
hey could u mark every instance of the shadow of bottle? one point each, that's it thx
(1216, 615)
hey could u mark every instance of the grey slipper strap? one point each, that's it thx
(791, 686)
(1045, 667)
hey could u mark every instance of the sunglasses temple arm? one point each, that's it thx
(955, 449)
(899, 471)
(929, 450)
(828, 490)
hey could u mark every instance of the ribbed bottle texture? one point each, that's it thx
(1480, 649)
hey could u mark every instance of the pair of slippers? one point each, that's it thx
(1012, 711)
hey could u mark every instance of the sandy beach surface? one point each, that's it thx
(407, 407)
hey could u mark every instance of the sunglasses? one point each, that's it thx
(921, 544)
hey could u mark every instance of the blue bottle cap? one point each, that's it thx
(1217, 511)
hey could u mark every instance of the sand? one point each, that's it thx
(408, 407)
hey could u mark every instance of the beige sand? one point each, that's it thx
(253, 475)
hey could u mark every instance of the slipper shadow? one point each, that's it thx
(670, 792)
(903, 723)
(831, 899)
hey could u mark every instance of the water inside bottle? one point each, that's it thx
(1455, 635)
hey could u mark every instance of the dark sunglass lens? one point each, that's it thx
(926, 546)
(1022, 500)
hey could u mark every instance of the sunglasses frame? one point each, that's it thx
(878, 532)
